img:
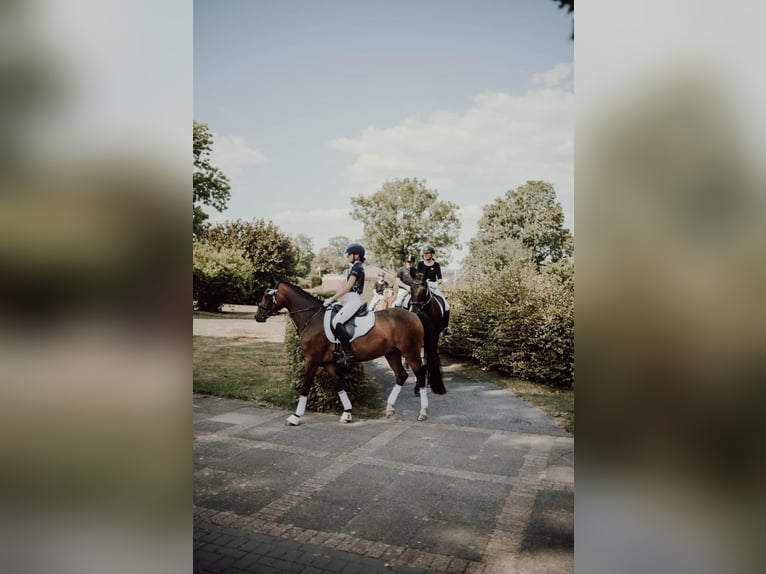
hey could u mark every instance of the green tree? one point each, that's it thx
(304, 254)
(211, 186)
(262, 242)
(219, 275)
(330, 258)
(531, 214)
(403, 216)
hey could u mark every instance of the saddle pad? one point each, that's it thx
(440, 301)
(355, 327)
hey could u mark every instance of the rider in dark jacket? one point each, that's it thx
(433, 275)
(351, 293)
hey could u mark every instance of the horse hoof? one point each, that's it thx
(422, 415)
(293, 421)
(390, 411)
(345, 418)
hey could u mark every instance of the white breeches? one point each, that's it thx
(351, 303)
(400, 296)
(434, 287)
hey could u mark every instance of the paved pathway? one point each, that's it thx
(484, 486)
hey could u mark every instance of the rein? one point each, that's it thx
(271, 313)
(421, 304)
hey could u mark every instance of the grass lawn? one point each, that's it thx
(255, 371)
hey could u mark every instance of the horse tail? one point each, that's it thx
(431, 345)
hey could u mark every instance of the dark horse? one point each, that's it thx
(397, 333)
(425, 301)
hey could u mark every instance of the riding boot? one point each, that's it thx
(446, 330)
(348, 355)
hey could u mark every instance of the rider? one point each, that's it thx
(351, 293)
(380, 288)
(433, 275)
(404, 278)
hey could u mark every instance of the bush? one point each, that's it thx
(519, 322)
(362, 390)
(316, 281)
(220, 275)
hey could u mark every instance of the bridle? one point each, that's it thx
(268, 309)
(420, 304)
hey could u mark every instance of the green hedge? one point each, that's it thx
(361, 388)
(519, 322)
(219, 275)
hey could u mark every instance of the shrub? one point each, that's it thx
(519, 322)
(362, 390)
(220, 275)
(316, 281)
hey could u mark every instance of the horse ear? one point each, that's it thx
(274, 281)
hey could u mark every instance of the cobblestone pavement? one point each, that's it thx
(376, 495)
(485, 486)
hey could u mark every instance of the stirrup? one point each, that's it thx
(447, 332)
(346, 359)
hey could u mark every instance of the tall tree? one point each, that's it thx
(262, 242)
(305, 254)
(403, 216)
(211, 186)
(330, 259)
(530, 214)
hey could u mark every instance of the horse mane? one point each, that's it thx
(302, 293)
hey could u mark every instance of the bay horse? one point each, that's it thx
(396, 334)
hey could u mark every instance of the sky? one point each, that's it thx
(311, 103)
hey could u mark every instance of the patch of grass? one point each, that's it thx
(558, 403)
(255, 371)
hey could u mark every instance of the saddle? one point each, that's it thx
(359, 324)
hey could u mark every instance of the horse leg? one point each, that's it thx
(308, 378)
(414, 360)
(423, 414)
(394, 359)
(340, 388)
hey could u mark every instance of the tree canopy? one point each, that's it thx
(262, 242)
(531, 215)
(403, 216)
(210, 185)
(330, 258)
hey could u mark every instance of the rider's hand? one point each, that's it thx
(328, 302)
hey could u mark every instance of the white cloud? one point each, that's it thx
(558, 76)
(230, 154)
(498, 143)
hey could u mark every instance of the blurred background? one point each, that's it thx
(95, 413)
(669, 188)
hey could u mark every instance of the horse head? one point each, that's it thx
(419, 292)
(268, 305)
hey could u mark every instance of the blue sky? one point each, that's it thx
(313, 102)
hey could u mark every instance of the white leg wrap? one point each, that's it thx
(394, 394)
(301, 406)
(345, 400)
(423, 398)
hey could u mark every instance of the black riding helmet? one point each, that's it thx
(427, 249)
(356, 249)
